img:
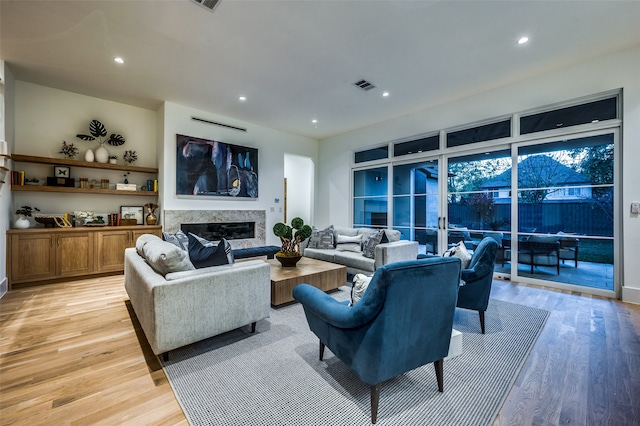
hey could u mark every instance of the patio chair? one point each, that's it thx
(569, 250)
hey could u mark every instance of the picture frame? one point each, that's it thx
(61, 171)
(132, 212)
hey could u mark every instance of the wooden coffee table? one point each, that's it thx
(323, 275)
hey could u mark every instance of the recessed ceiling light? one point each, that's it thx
(314, 121)
(242, 98)
(385, 94)
(118, 60)
(523, 40)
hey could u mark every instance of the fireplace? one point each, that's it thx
(217, 231)
(173, 221)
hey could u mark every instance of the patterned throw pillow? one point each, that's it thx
(370, 242)
(459, 251)
(360, 284)
(346, 243)
(321, 239)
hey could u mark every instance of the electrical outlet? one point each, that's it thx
(635, 207)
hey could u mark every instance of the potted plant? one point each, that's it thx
(68, 150)
(23, 212)
(289, 253)
(113, 159)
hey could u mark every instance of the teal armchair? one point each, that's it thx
(402, 322)
(478, 278)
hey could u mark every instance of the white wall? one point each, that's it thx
(618, 70)
(271, 144)
(7, 95)
(300, 174)
(45, 117)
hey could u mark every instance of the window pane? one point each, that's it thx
(370, 212)
(419, 145)
(370, 182)
(487, 132)
(605, 109)
(372, 154)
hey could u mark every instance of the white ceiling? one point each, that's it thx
(297, 60)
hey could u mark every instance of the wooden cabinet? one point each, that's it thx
(111, 245)
(39, 255)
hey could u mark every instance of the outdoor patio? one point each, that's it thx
(588, 274)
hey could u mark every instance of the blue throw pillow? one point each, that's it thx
(204, 256)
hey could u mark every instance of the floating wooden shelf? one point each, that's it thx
(36, 188)
(78, 163)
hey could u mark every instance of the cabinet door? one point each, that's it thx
(32, 257)
(136, 233)
(74, 253)
(111, 245)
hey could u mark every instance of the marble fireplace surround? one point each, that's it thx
(172, 219)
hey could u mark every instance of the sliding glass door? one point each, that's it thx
(565, 208)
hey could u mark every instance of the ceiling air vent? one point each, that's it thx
(364, 85)
(209, 4)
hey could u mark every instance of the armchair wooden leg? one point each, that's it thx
(321, 350)
(439, 366)
(481, 313)
(375, 397)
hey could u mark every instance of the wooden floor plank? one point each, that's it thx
(73, 353)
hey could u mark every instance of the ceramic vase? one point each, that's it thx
(22, 222)
(102, 155)
(88, 156)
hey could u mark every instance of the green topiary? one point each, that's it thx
(291, 241)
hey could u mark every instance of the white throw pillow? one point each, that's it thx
(360, 284)
(346, 243)
(459, 251)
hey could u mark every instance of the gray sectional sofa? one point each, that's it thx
(394, 250)
(178, 305)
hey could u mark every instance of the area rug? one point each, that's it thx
(274, 377)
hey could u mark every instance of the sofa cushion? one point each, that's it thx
(203, 241)
(349, 243)
(320, 254)
(459, 251)
(204, 256)
(165, 257)
(392, 235)
(321, 239)
(354, 261)
(370, 242)
(144, 239)
(179, 239)
(543, 239)
(360, 284)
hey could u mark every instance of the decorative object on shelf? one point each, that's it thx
(52, 221)
(61, 172)
(23, 212)
(98, 134)
(132, 212)
(88, 156)
(126, 178)
(68, 150)
(130, 157)
(113, 159)
(289, 253)
(32, 181)
(151, 218)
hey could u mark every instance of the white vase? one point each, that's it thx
(102, 155)
(88, 156)
(22, 222)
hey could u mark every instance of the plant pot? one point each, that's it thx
(113, 161)
(288, 260)
(102, 155)
(22, 222)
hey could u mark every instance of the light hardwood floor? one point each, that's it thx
(73, 353)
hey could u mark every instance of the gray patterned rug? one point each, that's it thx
(274, 377)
